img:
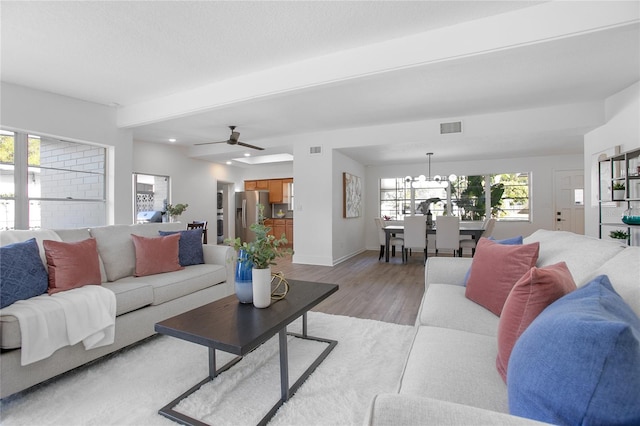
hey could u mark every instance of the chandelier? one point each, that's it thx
(440, 180)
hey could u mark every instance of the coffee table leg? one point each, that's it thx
(212, 363)
(304, 324)
(284, 366)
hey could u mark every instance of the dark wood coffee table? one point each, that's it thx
(237, 328)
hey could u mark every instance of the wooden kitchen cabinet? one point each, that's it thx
(276, 188)
(275, 191)
(288, 231)
(252, 185)
(279, 227)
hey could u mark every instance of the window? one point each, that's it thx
(509, 196)
(466, 197)
(7, 182)
(399, 197)
(50, 183)
(151, 194)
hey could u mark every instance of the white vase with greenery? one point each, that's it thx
(261, 287)
(262, 252)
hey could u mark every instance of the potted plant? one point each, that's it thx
(175, 211)
(618, 191)
(261, 253)
(618, 235)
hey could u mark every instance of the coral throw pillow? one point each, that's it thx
(536, 290)
(72, 264)
(156, 255)
(495, 270)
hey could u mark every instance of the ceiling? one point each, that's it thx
(163, 63)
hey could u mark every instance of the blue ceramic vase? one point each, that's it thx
(244, 278)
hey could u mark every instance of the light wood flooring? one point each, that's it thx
(369, 288)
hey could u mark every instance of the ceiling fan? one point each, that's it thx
(233, 140)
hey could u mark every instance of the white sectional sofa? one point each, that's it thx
(140, 301)
(450, 376)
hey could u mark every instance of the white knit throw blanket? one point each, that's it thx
(49, 322)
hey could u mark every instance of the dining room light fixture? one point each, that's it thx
(443, 180)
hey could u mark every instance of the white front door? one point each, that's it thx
(569, 201)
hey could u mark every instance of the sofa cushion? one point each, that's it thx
(445, 305)
(10, 336)
(623, 271)
(130, 294)
(72, 265)
(22, 273)
(190, 247)
(579, 361)
(172, 285)
(536, 290)
(495, 270)
(115, 245)
(582, 254)
(156, 255)
(455, 366)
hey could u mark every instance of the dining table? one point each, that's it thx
(473, 228)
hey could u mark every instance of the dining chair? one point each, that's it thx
(488, 226)
(198, 225)
(415, 235)
(448, 233)
(393, 241)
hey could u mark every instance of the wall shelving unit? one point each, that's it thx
(622, 169)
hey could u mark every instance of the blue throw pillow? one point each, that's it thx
(579, 361)
(514, 241)
(190, 246)
(22, 274)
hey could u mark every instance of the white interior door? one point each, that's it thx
(569, 200)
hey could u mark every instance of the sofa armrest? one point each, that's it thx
(220, 255)
(446, 270)
(395, 409)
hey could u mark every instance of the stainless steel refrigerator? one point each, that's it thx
(247, 212)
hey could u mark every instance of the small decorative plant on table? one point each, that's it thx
(259, 255)
(175, 211)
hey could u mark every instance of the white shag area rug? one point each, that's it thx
(130, 388)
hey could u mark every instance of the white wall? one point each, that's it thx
(542, 188)
(193, 182)
(622, 128)
(313, 215)
(62, 117)
(347, 234)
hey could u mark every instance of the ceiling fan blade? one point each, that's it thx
(209, 143)
(250, 146)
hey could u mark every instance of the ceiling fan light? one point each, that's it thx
(452, 177)
(437, 178)
(422, 178)
(408, 178)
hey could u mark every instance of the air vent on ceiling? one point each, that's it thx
(315, 150)
(454, 127)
